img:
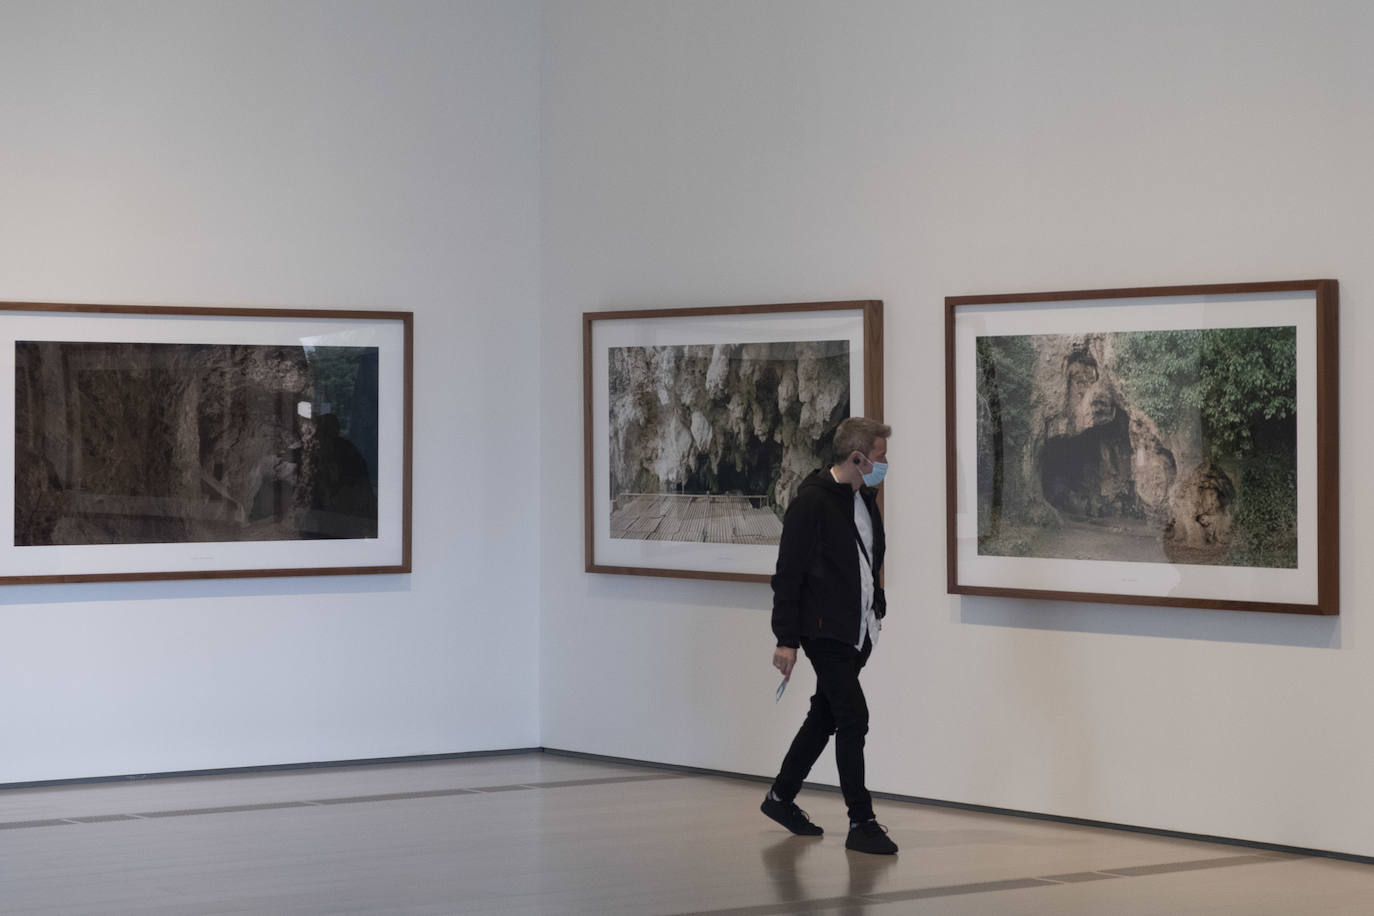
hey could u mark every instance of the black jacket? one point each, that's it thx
(816, 589)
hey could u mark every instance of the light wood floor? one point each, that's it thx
(545, 834)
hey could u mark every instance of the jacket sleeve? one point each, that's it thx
(794, 555)
(879, 596)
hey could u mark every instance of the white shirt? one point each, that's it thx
(864, 522)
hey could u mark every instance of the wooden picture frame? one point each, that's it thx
(696, 437)
(151, 442)
(1172, 446)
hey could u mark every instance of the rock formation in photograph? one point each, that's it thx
(751, 419)
(1114, 446)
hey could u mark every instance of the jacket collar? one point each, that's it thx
(822, 478)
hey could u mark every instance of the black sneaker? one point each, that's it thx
(790, 816)
(870, 837)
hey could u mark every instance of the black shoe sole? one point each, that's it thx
(871, 852)
(778, 820)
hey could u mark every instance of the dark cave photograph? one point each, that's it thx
(1175, 446)
(142, 443)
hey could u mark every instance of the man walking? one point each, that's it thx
(827, 600)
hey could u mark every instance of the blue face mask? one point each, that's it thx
(875, 476)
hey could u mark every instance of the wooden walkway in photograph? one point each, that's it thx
(694, 517)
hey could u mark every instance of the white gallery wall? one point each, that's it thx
(297, 154)
(724, 152)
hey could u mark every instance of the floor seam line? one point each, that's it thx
(85, 819)
(906, 895)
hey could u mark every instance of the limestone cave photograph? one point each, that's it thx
(142, 443)
(710, 442)
(1175, 446)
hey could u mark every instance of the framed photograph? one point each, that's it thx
(170, 443)
(700, 423)
(1165, 446)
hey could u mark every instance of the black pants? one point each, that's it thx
(838, 709)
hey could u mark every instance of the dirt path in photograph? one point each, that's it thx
(1122, 539)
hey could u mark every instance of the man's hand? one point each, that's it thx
(784, 659)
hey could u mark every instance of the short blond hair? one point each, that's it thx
(856, 434)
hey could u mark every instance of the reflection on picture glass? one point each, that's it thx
(1147, 446)
(709, 442)
(137, 443)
